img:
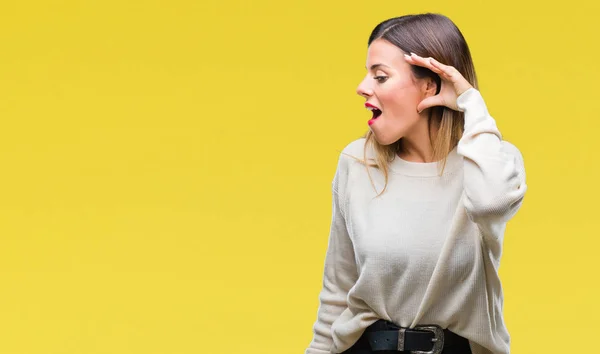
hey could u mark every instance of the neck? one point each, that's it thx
(417, 146)
(415, 152)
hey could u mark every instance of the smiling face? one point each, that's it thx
(391, 87)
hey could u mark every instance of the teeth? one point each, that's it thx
(372, 109)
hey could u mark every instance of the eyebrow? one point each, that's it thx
(375, 66)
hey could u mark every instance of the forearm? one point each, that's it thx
(494, 174)
(339, 276)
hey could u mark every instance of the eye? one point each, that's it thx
(380, 79)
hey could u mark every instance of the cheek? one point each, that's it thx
(400, 99)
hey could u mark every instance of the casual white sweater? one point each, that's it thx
(428, 250)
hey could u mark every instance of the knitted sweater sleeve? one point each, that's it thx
(494, 172)
(340, 271)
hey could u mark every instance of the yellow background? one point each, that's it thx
(166, 167)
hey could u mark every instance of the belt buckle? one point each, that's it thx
(438, 339)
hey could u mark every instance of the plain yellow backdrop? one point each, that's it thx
(166, 167)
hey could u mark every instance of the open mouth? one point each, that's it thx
(376, 113)
(375, 110)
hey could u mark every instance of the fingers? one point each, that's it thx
(417, 60)
(430, 102)
(431, 64)
(446, 72)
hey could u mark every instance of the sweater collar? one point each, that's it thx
(426, 169)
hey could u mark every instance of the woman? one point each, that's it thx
(414, 268)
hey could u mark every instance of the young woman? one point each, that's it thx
(420, 205)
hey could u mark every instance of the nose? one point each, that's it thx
(364, 89)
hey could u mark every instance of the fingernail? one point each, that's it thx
(411, 53)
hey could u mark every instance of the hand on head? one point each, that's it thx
(453, 83)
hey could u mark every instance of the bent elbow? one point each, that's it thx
(498, 206)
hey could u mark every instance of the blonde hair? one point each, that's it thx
(427, 35)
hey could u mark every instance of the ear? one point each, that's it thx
(429, 87)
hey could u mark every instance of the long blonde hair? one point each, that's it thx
(427, 35)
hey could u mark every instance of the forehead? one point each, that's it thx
(383, 52)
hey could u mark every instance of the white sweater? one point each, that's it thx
(428, 250)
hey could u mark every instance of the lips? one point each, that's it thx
(376, 111)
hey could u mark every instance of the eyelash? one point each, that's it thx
(380, 78)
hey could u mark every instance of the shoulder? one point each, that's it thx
(356, 150)
(349, 157)
(354, 153)
(355, 147)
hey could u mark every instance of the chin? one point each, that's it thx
(385, 140)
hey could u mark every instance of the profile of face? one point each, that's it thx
(393, 93)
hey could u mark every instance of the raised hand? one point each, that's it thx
(453, 83)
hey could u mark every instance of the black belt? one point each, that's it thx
(429, 339)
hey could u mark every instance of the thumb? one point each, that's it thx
(430, 101)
